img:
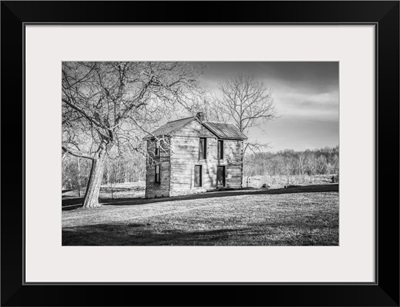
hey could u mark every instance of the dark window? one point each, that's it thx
(197, 176)
(157, 174)
(203, 149)
(157, 148)
(220, 149)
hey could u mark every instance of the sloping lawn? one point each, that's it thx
(250, 219)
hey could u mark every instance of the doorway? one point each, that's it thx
(221, 176)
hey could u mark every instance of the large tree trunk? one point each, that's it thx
(91, 199)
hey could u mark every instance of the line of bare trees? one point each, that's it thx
(76, 172)
(289, 162)
(324, 161)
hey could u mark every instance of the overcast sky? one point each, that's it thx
(306, 96)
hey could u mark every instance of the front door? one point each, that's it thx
(221, 176)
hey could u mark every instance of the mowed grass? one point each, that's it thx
(289, 219)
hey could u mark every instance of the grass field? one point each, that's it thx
(307, 215)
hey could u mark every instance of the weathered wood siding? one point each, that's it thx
(185, 155)
(161, 189)
(233, 163)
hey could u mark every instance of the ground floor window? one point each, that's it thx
(157, 174)
(221, 176)
(198, 175)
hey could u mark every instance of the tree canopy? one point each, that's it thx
(108, 106)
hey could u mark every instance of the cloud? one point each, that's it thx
(306, 96)
(310, 105)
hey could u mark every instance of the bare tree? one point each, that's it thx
(110, 105)
(246, 102)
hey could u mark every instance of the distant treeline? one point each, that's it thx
(289, 162)
(323, 161)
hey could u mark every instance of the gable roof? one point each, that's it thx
(172, 126)
(223, 131)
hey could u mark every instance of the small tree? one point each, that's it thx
(245, 102)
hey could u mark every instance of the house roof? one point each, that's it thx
(223, 131)
(172, 126)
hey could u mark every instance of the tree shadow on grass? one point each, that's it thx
(259, 234)
(142, 235)
(75, 203)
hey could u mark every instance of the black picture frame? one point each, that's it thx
(383, 14)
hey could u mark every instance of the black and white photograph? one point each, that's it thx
(200, 153)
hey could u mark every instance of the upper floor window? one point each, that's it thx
(203, 149)
(157, 148)
(220, 149)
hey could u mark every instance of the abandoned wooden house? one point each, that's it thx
(190, 155)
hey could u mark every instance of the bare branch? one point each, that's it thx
(76, 153)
